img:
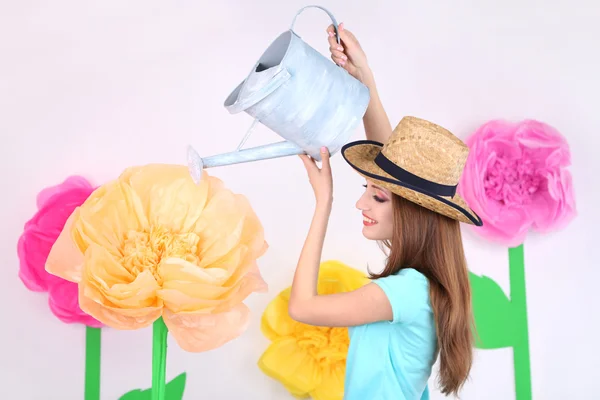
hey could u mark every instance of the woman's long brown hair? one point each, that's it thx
(432, 244)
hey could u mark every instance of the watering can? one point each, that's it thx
(300, 95)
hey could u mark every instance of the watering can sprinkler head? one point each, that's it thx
(195, 164)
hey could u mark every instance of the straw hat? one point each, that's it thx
(422, 162)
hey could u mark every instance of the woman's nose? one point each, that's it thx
(361, 204)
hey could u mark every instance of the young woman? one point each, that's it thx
(419, 307)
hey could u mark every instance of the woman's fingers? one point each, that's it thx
(337, 53)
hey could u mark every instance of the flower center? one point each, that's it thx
(143, 251)
(512, 181)
(326, 345)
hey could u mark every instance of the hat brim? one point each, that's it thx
(361, 156)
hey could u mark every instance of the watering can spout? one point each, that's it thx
(274, 150)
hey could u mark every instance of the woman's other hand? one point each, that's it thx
(320, 178)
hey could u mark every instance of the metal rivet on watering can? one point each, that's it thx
(299, 94)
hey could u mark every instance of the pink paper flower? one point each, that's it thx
(515, 179)
(55, 205)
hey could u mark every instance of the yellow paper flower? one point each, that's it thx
(152, 243)
(309, 361)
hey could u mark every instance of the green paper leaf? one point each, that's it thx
(495, 320)
(174, 391)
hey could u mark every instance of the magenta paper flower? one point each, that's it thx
(516, 180)
(55, 205)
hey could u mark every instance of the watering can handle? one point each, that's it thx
(335, 24)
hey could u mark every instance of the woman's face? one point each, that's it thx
(377, 211)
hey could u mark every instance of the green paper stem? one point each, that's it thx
(93, 340)
(159, 359)
(521, 346)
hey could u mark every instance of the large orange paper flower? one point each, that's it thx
(309, 361)
(153, 243)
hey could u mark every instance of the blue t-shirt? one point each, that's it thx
(393, 359)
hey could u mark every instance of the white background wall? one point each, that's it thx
(94, 87)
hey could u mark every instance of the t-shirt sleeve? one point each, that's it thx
(407, 292)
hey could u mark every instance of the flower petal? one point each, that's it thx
(73, 186)
(33, 249)
(253, 232)
(197, 332)
(169, 196)
(238, 225)
(332, 383)
(246, 267)
(337, 277)
(112, 295)
(65, 259)
(276, 321)
(553, 207)
(56, 204)
(190, 288)
(179, 269)
(509, 227)
(285, 361)
(218, 239)
(107, 215)
(251, 282)
(63, 302)
(538, 135)
(116, 283)
(118, 318)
